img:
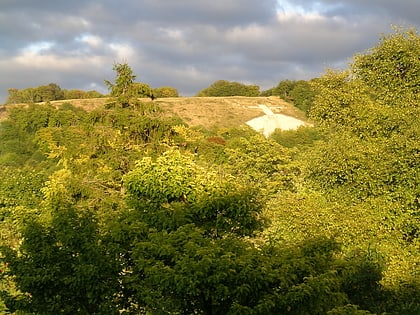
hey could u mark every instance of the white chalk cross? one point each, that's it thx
(268, 123)
(266, 109)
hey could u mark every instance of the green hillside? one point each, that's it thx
(175, 206)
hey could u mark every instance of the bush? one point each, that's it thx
(226, 88)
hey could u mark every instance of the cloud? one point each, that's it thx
(187, 44)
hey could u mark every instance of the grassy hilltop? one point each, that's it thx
(219, 112)
(208, 112)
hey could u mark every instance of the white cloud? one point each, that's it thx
(38, 47)
(90, 40)
(123, 52)
(37, 60)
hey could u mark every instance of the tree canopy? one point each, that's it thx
(227, 88)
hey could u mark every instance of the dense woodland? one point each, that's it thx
(123, 210)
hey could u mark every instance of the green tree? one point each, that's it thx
(395, 60)
(256, 157)
(226, 88)
(80, 94)
(13, 96)
(62, 265)
(283, 89)
(123, 81)
(382, 133)
(50, 92)
(141, 90)
(122, 88)
(165, 91)
(300, 93)
(366, 163)
(189, 231)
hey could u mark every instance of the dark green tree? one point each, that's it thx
(189, 248)
(227, 88)
(283, 89)
(62, 265)
(50, 92)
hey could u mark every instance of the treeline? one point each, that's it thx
(53, 92)
(300, 93)
(227, 88)
(47, 93)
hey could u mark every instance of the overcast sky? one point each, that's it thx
(187, 44)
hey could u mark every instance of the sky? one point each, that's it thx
(187, 44)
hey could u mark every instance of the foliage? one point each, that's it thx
(124, 80)
(395, 60)
(61, 265)
(46, 93)
(373, 150)
(348, 310)
(124, 89)
(300, 93)
(43, 93)
(19, 133)
(226, 88)
(368, 159)
(185, 232)
(175, 178)
(165, 91)
(256, 157)
(80, 94)
(302, 137)
(141, 90)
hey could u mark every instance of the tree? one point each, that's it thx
(226, 88)
(165, 91)
(283, 89)
(62, 265)
(188, 248)
(395, 60)
(374, 123)
(142, 90)
(13, 96)
(300, 93)
(80, 94)
(122, 88)
(367, 161)
(43, 93)
(50, 92)
(123, 81)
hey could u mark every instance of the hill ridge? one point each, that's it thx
(209, 112)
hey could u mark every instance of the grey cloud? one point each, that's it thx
(406, 10)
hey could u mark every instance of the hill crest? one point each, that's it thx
(220, 112)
